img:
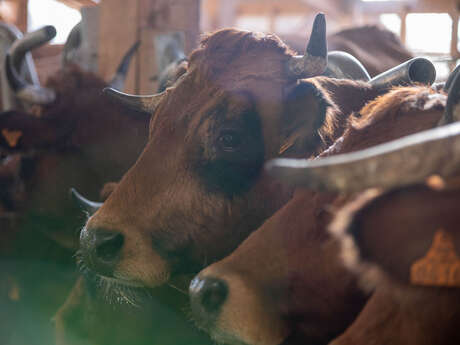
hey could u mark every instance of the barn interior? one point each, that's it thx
(38, 276)
(291, 19)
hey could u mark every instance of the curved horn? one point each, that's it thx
(314, 62)
(452, 110)
(342, 65)
(451, 77)
(144, 104)
(86, 205)
(400, 162)
(8, 35)
(30, 41)
(416, 70)
(34, 94)
(72, 44)
(118, 81)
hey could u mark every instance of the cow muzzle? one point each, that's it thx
(233, 310)
(101, 250)
(207, 295)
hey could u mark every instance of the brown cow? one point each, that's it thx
(81, 139)
(377, 48)
(286, 283)
(85, 310)
(417, 295)
(197, 190)
(405, 245)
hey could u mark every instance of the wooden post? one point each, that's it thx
(160, 17)
(272, 19)
(118, 30)
(14, 12)
(403, 33)
(209, 15)
(454, 38)
(21, 16)
(122, 24)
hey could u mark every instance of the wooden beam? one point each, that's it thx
(332, 8)
(265, 8)
(77, 4)
(417, 6)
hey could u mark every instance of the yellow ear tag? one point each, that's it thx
(12, 137)
(440, 266)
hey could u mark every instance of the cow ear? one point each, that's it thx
(410, 233)
(21, 131)
(306, 106)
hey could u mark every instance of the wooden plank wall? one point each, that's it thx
(122, 24)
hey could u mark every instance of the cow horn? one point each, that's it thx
(452, 110)
(314, 62)
(86, 205)
(451, 77)
(404, 161)
(118, 81)
(145, 104)
(73, 42)
(416, 70)
(34, 94)
(342, 65)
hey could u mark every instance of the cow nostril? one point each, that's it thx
(210, 293)
(214, 296)
(108, 245)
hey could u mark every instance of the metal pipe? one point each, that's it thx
(416, 70)
(30, 41)
(25, 91)
(342, 65)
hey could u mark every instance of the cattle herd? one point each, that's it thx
(262, 198)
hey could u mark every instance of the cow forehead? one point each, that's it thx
(190, 103)
(228, 63)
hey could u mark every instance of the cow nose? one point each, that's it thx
(207, 295)
(101, 249)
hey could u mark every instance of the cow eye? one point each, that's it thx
(229, 140)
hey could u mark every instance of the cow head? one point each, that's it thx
(286, 283)
(79, 138)
(198, 189)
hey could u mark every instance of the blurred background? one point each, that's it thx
(425, 27)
